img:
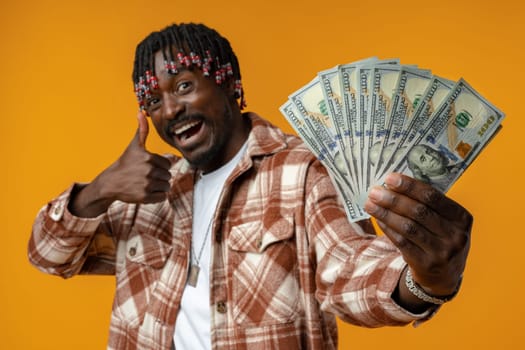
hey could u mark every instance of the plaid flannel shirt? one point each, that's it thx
(285, 260)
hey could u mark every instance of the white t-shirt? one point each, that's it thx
(192, 331)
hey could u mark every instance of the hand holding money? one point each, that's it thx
(369, 118)
(431, 231)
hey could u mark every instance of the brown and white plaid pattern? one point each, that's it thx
(285, 259)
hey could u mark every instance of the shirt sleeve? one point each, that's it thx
(357, 270)
(63, 244)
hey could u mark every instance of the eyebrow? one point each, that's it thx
(180, 69)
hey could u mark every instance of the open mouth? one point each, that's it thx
(186, 131)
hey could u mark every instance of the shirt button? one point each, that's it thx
(221, 307)
(57, 212)
(259, 243)
(132, 251)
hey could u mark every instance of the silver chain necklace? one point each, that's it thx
(193, 275)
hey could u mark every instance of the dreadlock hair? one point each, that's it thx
(198, 46)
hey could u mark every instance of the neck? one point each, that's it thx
(237, 138)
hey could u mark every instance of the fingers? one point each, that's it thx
(159, 174)
(160, 162)
(431, 230)
(157, 187)
(154, 197)
(400, 218)
(418, 217)
(157, 179)
(417, 212)
(431, 245)
(143, 130)
(140, 140)
(140, 176)
(429, 197)
(401, 212)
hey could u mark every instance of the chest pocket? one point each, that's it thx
(147, 250)
(264, 270)
(139, 266)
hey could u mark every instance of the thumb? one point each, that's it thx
(143, 130)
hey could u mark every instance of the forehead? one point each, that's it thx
(162, 58)
(166, 54)
(416, 153)
(159, 63)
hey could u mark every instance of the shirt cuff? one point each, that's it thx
(389, 283)
(57, 211)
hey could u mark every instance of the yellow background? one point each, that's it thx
(68, 111)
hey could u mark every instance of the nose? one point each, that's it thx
(172, 106)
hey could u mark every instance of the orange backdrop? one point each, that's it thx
(69, 111)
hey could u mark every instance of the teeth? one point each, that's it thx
(185, 127)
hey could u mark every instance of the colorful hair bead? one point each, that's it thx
(206, 69)
(148, 77)
(208, 56)
(138, 91)
(187, 61)
(154, 82)
(180, 57)
(229, 69)
(195, 59)
(173, 68)
(170, 67)
(218, 77)
(238, 88)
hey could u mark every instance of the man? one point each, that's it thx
(243, 242)
(431, 166)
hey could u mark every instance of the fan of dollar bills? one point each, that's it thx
(372, 117)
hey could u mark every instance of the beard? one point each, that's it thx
(218, 144)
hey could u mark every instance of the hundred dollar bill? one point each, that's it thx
(318, 148)
(436, 92)
(310, 103)
(363, 110)
(364, 94)
(384, 83)
(331, 88)
(459, 129)
(348, 78)
(411, 86)
(294, 118)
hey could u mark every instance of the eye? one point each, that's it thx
(152, 104)
(184, 87)
(153, 101)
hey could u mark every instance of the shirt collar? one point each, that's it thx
(264, 139)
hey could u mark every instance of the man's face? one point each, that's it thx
(429, 161)
(194, 115)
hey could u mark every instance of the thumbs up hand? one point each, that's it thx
(138, 176)
(142, 130)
